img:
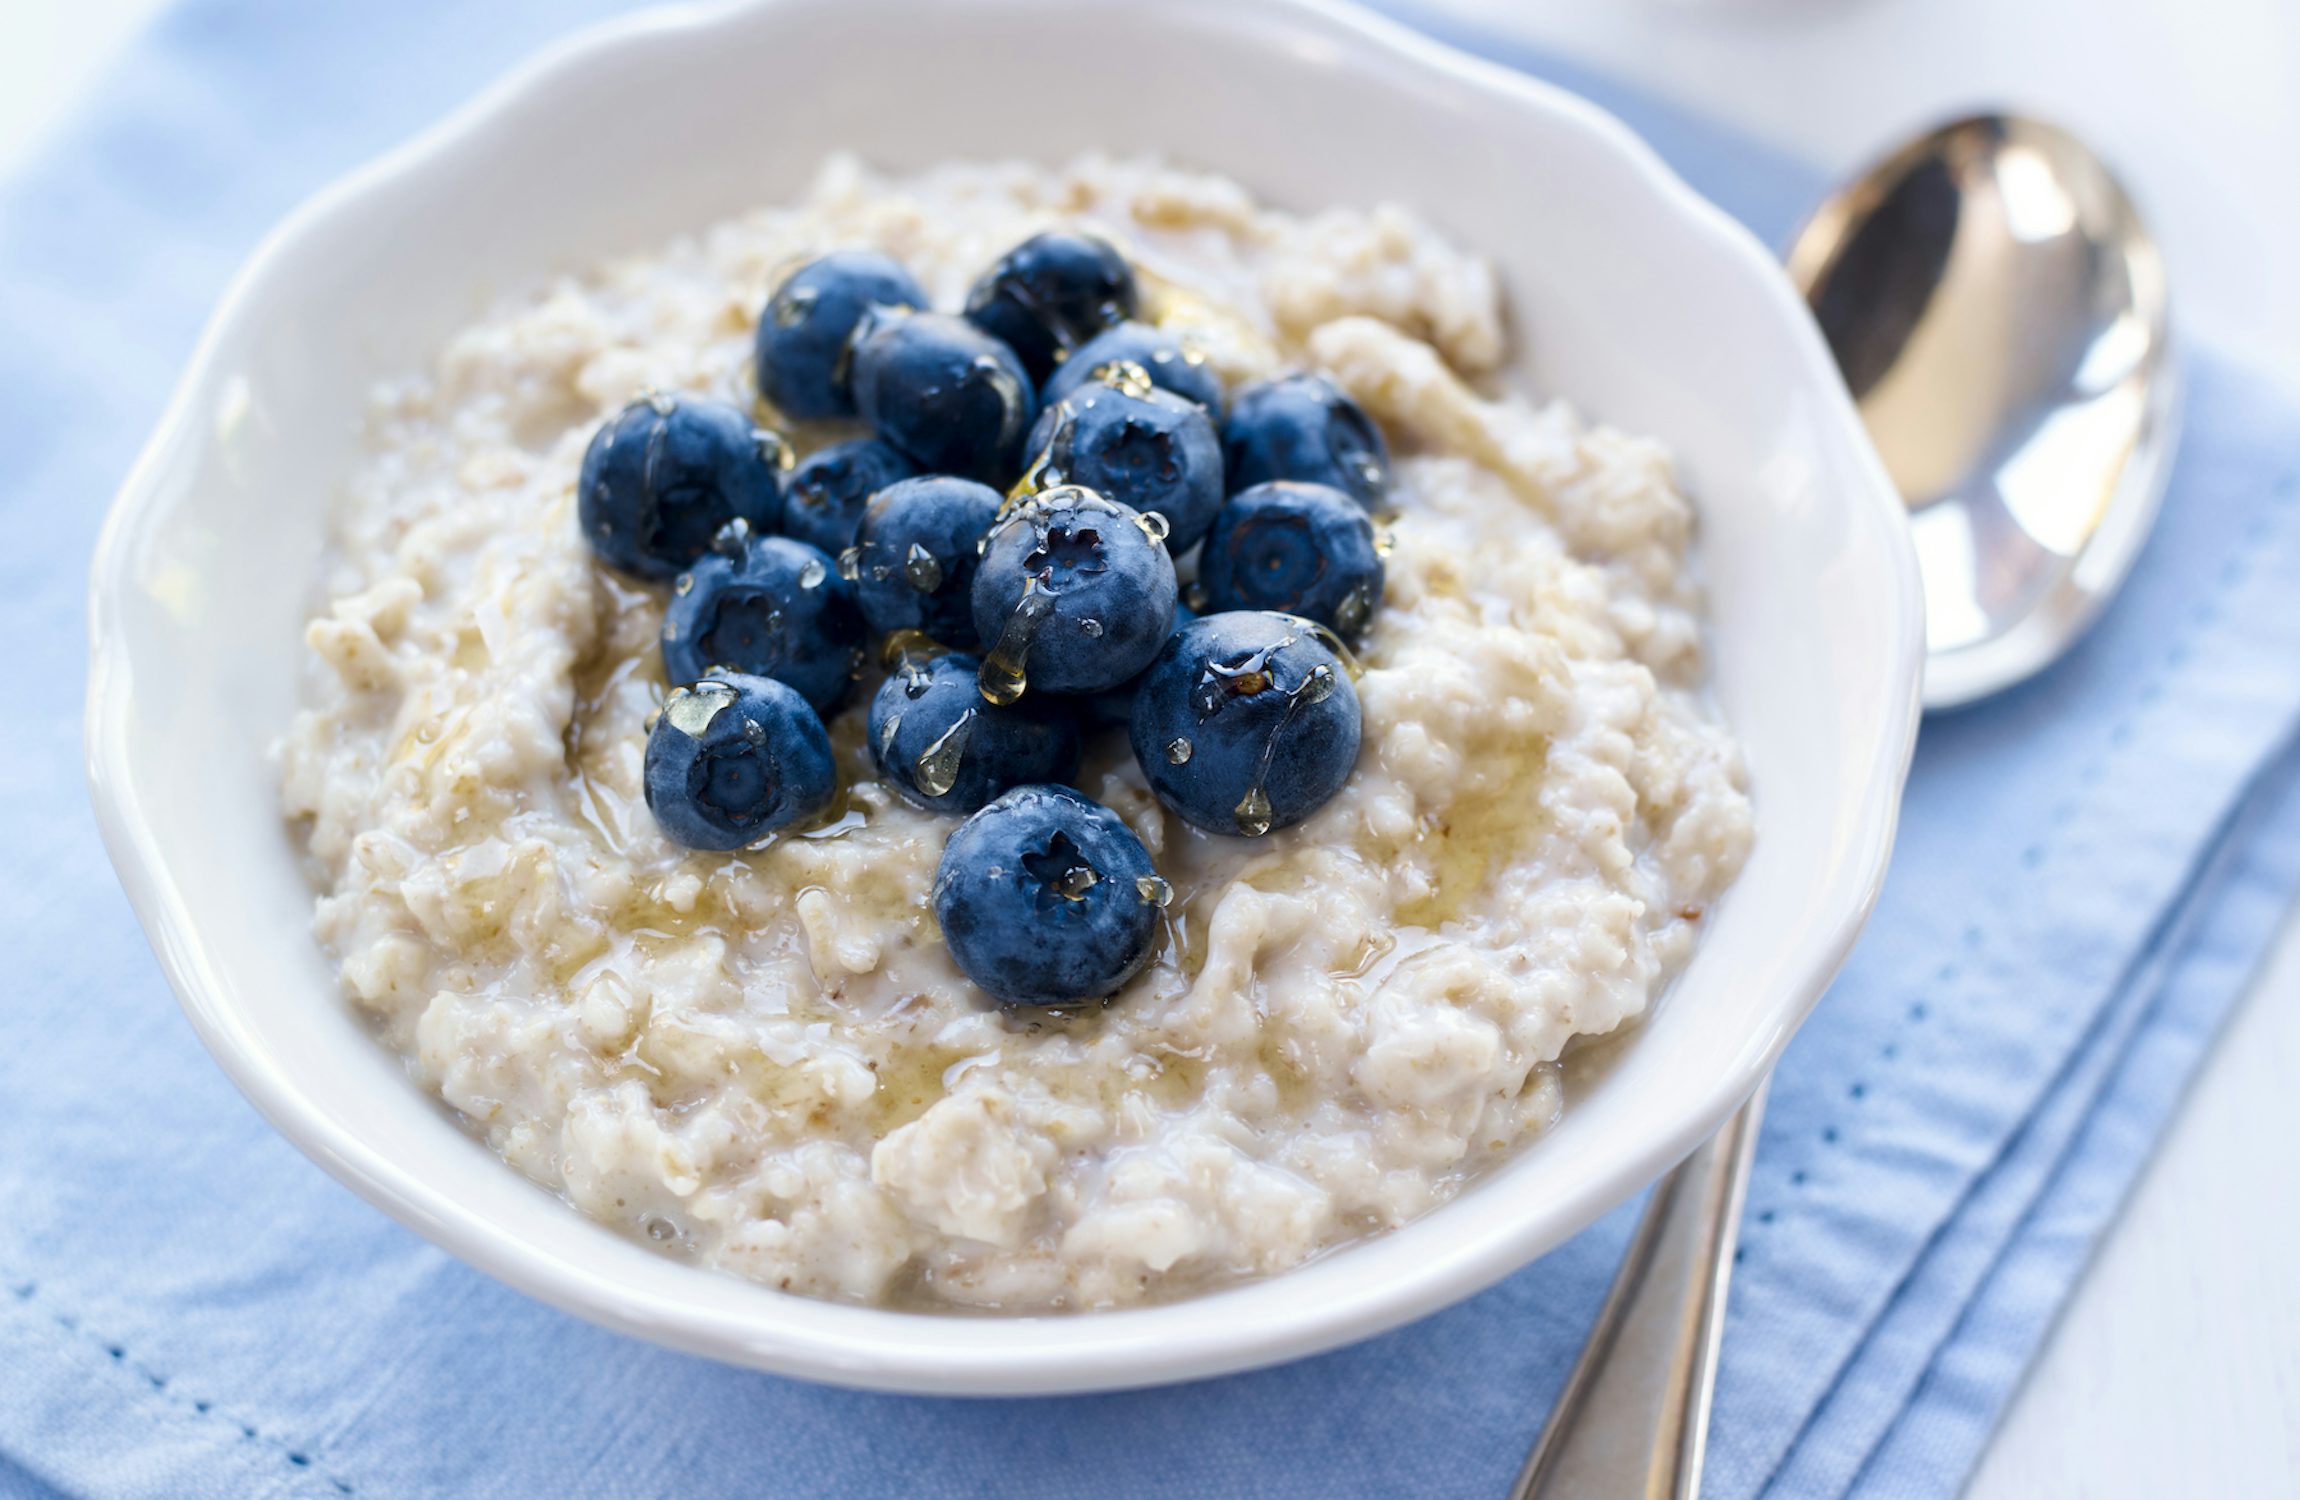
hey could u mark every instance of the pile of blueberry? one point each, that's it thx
(1008, 535)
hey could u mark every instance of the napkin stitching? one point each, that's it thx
(2119, 735)
(2182, 927)
(2145, 974)
(27, 1297)
(2232, 574)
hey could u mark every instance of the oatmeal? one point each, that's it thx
(767, 1060)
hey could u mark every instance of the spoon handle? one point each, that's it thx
(1633, 1419)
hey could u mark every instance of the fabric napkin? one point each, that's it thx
(2088, 870)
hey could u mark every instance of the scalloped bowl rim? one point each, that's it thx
(1230, 1329)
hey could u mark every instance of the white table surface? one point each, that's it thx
(2176, 1368)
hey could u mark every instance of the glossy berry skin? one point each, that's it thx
(769, 607)
(824, 499)
(1044, 898)
(1052, 293)
(1306, 427)
(733, 758)
(1137, 445)
(1246, 723)
(1301, 549)
(916, 553)
(1171, 360)
(1114, 707)
(944, 748)
(1074, 595)
(664, 474)
(801, 353)
(947, 394)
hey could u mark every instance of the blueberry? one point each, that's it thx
(768, 606)
(666, 472)
(1138, 445)
(829, 488)
(1074, 595)
(946, 393)
(1050, 294)
(947, 750)
(733, 758)
(1246, 722)
(808, 325)
(1171, 360)
(915, 556)
(1045, 897)
(1302, 549)
(1115, 706)
(1306, 427)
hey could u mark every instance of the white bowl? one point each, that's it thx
(1631, 295)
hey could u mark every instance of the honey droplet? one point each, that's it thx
(812, 573)
(793, 305)
(732, 540)
(772, 450)
(1061, 868)
(909, 650)
(1253, 813)
(1154, 889)
(1178, 751)
(691, 709)
(937, 768)
(1004, 676)
(1124, 376)
(1334, 643)
(921, 569)
(850, 564)
(1092, 628)
(1154, 525)
(1035, 477)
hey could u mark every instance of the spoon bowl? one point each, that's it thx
(1999, 314)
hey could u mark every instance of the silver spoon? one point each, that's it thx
(1998, 311)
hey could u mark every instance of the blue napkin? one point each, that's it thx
(2088, 870)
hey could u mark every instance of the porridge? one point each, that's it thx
(768, 1058)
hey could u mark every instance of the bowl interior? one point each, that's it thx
(1627, 296)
